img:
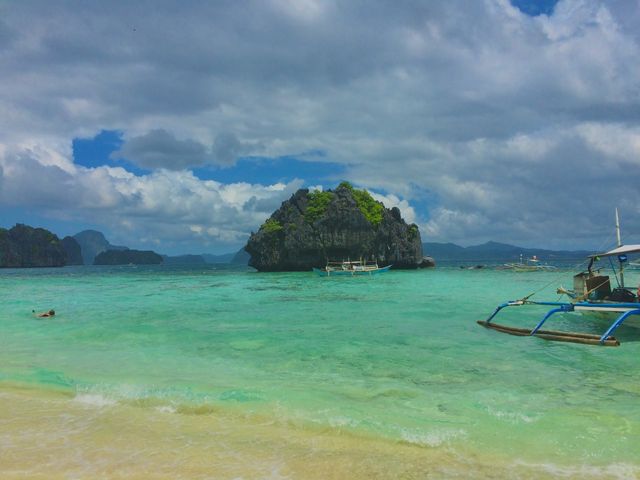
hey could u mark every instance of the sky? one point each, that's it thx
(181, 126)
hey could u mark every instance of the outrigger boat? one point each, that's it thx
(355, 267)
(592, 293)
(530, 265)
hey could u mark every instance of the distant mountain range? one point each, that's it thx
(86, 245)
(183, 260)
(127, 257)
(497, 252)
(224, 258)
(490, 252)
(93, 243)
(234, 258)
(25, 246)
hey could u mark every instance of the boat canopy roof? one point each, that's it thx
(619, 251)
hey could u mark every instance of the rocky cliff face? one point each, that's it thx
(72, 248)
(313, 227)
(241, 257)
(92, 243)
(25, 246)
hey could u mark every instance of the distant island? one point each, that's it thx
(128, 257)
(23, 246)
(183, 260)
(492, 252)
(313, 227)
(73, 250)
(93, 243)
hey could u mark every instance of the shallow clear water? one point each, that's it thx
(395, 360)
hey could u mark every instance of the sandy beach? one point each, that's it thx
(53, 435)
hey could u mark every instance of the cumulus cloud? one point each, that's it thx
(227, 148)
(390, 201)
(512, 127)
(159, 148)
(167, 207)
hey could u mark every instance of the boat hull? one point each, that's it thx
(606, 310)
(520, 267)
(352, 273)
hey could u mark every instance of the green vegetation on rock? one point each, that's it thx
(318, 202)
(371, 209)
(336, 224)
(271, 225)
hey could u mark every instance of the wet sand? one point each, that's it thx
(55, 435)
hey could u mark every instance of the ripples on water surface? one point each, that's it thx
(195, 371)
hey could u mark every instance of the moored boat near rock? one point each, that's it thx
(313, 226)
(357, 267)
(529, 265)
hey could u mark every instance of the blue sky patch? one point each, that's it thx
(95, 152)
(267, 171)
(535, 7)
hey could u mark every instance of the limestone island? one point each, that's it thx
(314, 227)
(24, 246)
(128, 257)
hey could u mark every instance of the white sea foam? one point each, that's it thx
(166, 409)
(511, 417)
(94, 400)
(338, 421)
(433, 438)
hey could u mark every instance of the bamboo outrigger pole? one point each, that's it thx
(558, 336)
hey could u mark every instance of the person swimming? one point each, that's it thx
(50, 313)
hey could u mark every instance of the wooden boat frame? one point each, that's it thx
(351, 267)
(581, 302)
(606, 339)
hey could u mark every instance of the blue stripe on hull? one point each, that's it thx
(323, 273)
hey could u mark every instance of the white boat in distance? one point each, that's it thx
(351, 267)
(530, 265)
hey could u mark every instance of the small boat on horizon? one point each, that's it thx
(530, 265)
(351, 267)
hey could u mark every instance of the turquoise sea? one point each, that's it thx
(213, 372)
